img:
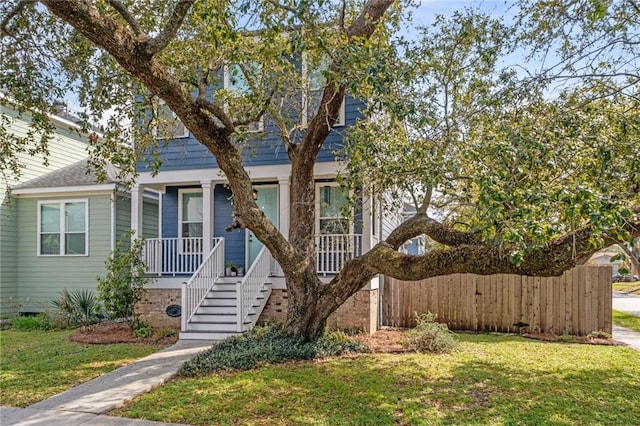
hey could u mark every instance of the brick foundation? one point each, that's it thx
(153, 304)
(359, 312)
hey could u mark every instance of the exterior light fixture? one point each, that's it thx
(254, 194)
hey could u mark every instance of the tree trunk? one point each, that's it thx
(306, 316)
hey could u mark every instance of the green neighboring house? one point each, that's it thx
(67, 224)
(65, 148)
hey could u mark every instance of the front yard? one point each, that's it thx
(491, 379)
(35, 365)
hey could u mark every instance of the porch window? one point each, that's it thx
(62, 228)
(316, 82)
(330, 219)
(191, 217)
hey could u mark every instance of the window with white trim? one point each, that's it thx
(236, 82)
(332, 200)
(190, 219)
(167, 124)
(63, 228)
(316, 82)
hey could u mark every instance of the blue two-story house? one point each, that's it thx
(209, 281)
(199, 264)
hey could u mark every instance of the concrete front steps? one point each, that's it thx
(216, 317)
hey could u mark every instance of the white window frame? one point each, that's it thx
(318, 201)
(305, 98)
(162, 104)
(249, 127)
(62, 227)
(184, 246)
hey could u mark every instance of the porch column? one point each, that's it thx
(284, 200)
(367, 228)
(137, 194)
(283, 206)
(207, 217)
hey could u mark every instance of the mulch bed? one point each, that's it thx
(386, 340)
(102, 334)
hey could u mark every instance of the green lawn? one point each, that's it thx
(625, 320)
(491, 379)
(35, 365)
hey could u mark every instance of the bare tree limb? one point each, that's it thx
(170, 30)
(128, 17)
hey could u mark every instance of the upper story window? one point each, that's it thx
(316, 82)
(168, 125)
(236, 82)
(63, 228)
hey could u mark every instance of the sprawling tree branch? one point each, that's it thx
(553, 259)
(320, 125)
(170, 30)
(423, 224)
(128, 17)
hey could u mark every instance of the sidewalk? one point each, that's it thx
(630, 304)
(85, 404)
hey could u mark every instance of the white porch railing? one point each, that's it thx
(249, 288)
(334, 250)
(172, 256)
(195, 290)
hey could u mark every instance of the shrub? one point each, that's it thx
(41, 322)
(430, 336)
(267, 345)
(78, 308)
(121, 288)
(142, 329)
(566, 338)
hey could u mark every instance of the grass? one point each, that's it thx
(36, 365)
(491, 379)
(625, 320)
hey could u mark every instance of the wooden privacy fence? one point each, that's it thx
(577, 303)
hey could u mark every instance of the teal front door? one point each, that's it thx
(268, 202)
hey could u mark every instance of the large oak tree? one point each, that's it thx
(504, 180)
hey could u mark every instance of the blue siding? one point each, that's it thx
(170, 212)
(266, 149)
(235, 240)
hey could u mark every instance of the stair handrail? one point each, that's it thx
(248, 289)
(203, 279)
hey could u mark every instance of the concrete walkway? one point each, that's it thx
(85, 404)
(630, 304)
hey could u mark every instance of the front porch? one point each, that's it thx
(215, 306)
(223, 279)
(181, 257)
